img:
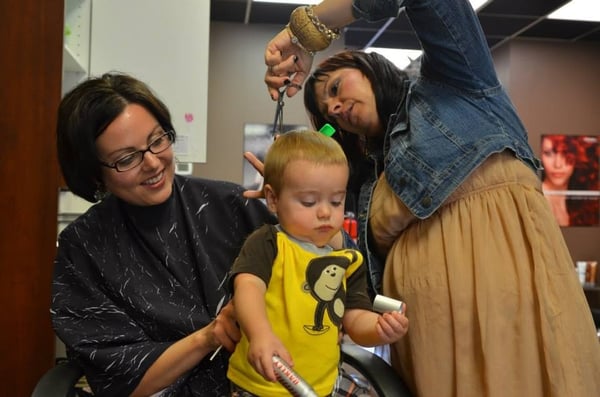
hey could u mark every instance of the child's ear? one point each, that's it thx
(271, 198)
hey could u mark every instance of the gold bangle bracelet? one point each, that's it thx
(297, 42)
(307, 34)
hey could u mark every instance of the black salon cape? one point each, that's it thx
(129, 281)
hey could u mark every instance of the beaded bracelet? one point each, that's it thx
(332, 34)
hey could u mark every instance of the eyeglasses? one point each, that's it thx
(132, 160)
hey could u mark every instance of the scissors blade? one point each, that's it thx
(278, 121)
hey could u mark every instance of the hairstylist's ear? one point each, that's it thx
(271, 198)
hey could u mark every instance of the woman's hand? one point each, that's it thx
(186, 353)
(259, 167)
(225, 331)
(287, 64)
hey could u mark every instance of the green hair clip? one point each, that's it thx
(327, 130)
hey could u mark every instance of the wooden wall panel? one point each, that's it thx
(556, 89)
(31, 52)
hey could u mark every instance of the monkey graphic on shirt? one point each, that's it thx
(324, 281)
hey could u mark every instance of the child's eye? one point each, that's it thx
(307, 203)
(336, 203)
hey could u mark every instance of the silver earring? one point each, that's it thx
(100, 193)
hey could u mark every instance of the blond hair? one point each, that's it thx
(306, 145)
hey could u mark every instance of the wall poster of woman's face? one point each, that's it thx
(570, 179)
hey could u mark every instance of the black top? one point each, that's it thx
(129, 281)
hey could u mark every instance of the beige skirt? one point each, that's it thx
(494, 305)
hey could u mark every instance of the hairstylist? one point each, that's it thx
(138, 285)
(449, 202)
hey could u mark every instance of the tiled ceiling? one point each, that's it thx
(502, 20)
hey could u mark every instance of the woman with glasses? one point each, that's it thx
(138, 286)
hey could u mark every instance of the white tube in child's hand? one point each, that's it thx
(291, 380)
(383, 304)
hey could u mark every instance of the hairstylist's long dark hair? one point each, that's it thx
(387, 82)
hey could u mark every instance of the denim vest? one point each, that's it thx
(455, 115)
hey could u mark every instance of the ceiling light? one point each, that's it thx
(299, 2)
(477, 4)
(578, 10)
(399, 57)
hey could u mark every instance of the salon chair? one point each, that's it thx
(381, 380)
(371, 374)
(59, 381)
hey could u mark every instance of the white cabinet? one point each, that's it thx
(161, 42)
(76, 45)
(165, 43)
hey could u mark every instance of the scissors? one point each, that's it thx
(277, 129)
(278, 121)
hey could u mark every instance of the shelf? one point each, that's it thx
(71, 63)
(69, 204)
(76, 45)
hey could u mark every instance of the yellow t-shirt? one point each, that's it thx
(308, 289)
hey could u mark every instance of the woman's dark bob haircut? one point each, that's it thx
(83, 115)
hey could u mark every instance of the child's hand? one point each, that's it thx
(261, 352)
(392, 326)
